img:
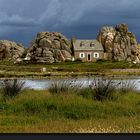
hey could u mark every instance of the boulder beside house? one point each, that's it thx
(87, 50)
(119, 43)
(49, 47)
(11, 51)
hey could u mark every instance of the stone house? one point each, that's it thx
(87, 50)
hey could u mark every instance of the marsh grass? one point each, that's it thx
(99, 89)
(43, 112)
(70, 106)
(64, 87)
(12, 88)
(75, 112)
(127, 86)
(103, 89)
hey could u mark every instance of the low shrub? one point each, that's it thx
(102, 61)
(127, 86)
(103, 89)
(78, 60)
(11, 88)
(64, 87)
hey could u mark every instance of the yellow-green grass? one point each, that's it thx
(65, 69)
(35, 125)
(40, 112)
(67, 66)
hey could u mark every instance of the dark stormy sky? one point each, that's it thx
(20, 20)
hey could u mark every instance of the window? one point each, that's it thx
(82, 44)
(82, 55)
(92, 44)
(96, 55)
(73, 59)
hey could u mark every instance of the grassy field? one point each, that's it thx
(73, 65)
(65, 69)
(41, 112)
(74, 111)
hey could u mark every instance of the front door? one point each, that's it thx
(89, 57)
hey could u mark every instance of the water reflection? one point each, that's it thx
(45, 83)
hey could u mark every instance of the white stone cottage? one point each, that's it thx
(87, 50)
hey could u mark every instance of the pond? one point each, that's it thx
(40, 84)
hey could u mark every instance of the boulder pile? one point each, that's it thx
(11, 50)
(119, 43)
(49, 47)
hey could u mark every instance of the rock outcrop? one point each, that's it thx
(49, 47)
(11, 50)
(119, 43)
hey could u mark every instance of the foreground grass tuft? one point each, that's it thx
(12, 88)
(64, 87)
(103, 89)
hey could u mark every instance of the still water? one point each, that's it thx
(38, 84)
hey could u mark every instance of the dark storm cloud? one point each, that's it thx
(20, 20)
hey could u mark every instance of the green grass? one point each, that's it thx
(39, 111)
(74, 69)
(66, 66)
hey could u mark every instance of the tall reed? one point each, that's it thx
(103, 89)
(64, 87)
(12, 88)
(127, 86)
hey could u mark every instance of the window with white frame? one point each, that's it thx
(82, 55)
(96, 55)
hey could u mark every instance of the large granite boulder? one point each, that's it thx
(119, 43)
(11, 50)
(49, 47)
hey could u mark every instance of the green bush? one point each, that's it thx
(78, 60)
(11, 88)
(103, 89)
(64, 87)
(127, 86)
(102, 61)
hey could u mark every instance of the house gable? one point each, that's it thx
(90, 45)
(88, 50)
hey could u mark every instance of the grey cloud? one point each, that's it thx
(16, 20)
(80, 18)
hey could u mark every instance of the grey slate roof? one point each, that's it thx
(91, 45)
